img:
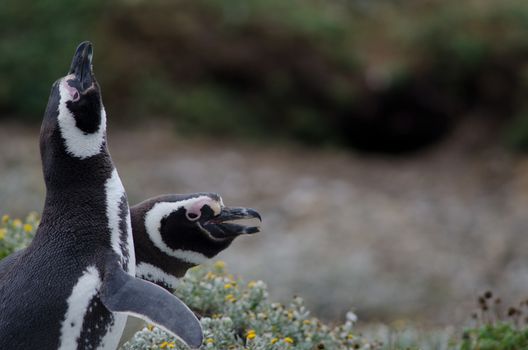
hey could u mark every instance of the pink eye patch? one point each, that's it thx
(72, 91)
(194, 211)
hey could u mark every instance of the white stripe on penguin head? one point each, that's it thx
(78, 143)
(163, 209)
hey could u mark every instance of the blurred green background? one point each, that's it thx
(388, 76)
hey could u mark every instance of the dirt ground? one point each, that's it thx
(391, 238)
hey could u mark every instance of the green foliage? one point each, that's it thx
(516, 134)
(308, 70)
(16, 234)
(496, 337)
(497, 329)
(37, 43)
(260, 69)
(209, 110)
(239, 315)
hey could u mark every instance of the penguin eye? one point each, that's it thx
(75, 95)
(72, 90)
(191, 216)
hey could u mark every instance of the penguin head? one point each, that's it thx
(75, 109)
(197, 223)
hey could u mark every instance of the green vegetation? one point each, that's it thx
(37, 43)
(496, 337)
(16, 234)
(497, 329)
(399, 74)
(237, 315)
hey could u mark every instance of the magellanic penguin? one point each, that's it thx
(74, 285)
(175, 232)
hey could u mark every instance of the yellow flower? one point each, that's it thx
(17, 223)
(307, 322)
(150, 327)
(220, 264)
(5, 219)
(28, 227)
(228, 286)
(230, 297)
(274, 340)
(251, 284)
(210, 275)
(209, 341)
(251, 334)
(288, 340)
(2, 233)
(166, 344)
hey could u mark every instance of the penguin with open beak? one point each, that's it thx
(173, 233)
(74, 286)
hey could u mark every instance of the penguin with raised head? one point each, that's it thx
(173, 233)
(74, 285)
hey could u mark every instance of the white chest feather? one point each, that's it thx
(119, 223)
(84, 290)
(111, 340)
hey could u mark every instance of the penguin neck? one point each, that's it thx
(155, 266)
(74, 186)
(151, 263)
(64, 172)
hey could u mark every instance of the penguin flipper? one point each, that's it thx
(121, 292)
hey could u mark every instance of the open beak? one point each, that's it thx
(81, 65)
(231, 223)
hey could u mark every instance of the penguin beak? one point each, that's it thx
(81, 65)
(228, 223)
